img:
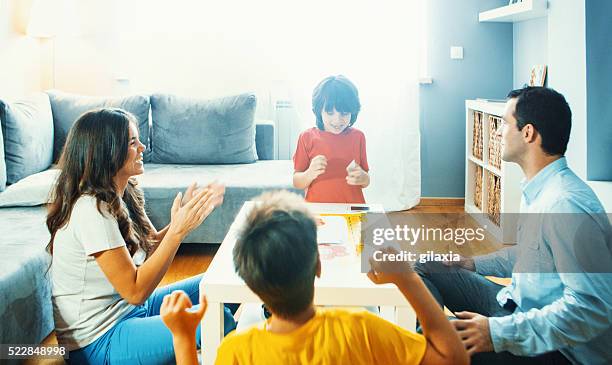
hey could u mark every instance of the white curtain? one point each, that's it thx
(280, 50)
(377, 45)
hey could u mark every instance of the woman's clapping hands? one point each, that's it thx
(190, 210)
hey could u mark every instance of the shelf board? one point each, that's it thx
(493, 170)
(487, 107)
(524, 10)
(489, 168)
(476, 161)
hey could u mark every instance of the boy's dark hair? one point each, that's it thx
(549, 114)
(276, 254)
(335, 92)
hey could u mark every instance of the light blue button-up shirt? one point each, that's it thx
(557, 308)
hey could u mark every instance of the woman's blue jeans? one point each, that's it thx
(141, 337)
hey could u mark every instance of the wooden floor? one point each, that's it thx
(193, 259)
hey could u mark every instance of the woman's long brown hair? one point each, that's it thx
(95, 150)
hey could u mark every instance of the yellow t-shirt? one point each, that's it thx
(332, 336)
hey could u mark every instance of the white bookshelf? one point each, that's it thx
(518, 12)
(507, 175)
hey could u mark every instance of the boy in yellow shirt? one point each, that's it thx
(277, 257)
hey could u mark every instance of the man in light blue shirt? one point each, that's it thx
(558, 307)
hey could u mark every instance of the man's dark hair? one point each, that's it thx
(276, 254)
(335, 92)
(549, 114)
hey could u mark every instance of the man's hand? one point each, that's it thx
(175, 316)
(473, 329)
(357, 176)
(383, 272)
(317, 166)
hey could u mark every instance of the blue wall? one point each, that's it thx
(599, 89)
(485, 71)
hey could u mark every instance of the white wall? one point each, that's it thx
(22, 69)
(200, 48)
(567, 63)
(530, 43)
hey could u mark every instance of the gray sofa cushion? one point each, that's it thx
(197, 131)
(27, 126)
(162, 182)
(33, 190)
(26, 313)
(264, 140)
(2, 163)
(68, 107)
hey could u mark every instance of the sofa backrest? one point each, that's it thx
(189, 130)
(27, 134)
(2, 163)
(68, 107)
(38, 125)
(264, 139)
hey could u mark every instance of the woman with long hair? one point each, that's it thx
(107, 258)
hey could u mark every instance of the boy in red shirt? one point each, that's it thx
(330, 160)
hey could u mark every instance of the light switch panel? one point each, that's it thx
(456, 52)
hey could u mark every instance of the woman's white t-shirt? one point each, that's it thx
(85, 304)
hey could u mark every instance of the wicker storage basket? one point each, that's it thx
(494, 142)
(477, 145)
(478, 187)
(494, 197)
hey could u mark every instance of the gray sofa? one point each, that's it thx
(187, 140)
(161, 183)
(26, 315)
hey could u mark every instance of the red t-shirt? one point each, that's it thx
(340, 150)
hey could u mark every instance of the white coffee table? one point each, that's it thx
(341, 284)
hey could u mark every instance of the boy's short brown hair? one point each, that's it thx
(276, 253)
